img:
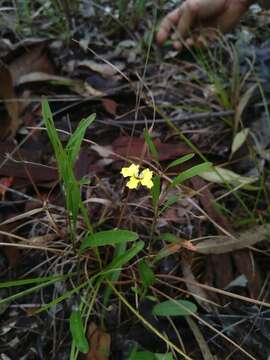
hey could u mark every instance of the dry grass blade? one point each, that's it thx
(206, 353)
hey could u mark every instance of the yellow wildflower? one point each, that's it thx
(133, 183)
(144, 178)
(132, 170)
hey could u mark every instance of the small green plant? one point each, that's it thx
(125, 245)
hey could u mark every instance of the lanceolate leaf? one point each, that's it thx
(150, 144)
(75, 141)
(77, 332)
(181, 160)
(187, 174)
(239, 140)
(222, 176)
(109, 237)
(123, 259)
(155, 191)
(174, 308)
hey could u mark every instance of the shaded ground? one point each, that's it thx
(91, 59)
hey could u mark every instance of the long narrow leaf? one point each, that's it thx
(125, 258)
(187, 174)
(181, 160)
(75, 141)
(77, 331)
(109, 237)
(151, 146)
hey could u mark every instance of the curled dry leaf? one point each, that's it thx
(104, 69)
(225, 244)
(110, 105)
(35, 59)
(10, 119)
(99, 343)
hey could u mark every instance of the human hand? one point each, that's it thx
(197, 15)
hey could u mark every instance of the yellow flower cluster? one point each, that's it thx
(136, 178)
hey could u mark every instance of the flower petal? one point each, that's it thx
(146, 178)
(149, 184)
(132, 170)
(133, 183)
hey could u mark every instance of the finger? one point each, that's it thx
(189, 42)
(188, 16)
(167, 24)
(178, 45)
(229, 18)
(201, 42)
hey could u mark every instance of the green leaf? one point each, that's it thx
(181, 160)
(168, 356)
(77, 331)
(239, 140)
(54, 138)
(187, 174)
(174, 308)
(155, 191)
(222, 176)
(148, 355)
(37, 280)
(146, 274)
(171, 238)
(29, 291)
(121, 260)
(150, 144)
(74, 144)
(140, 8)
(142, 355)
(109, 237)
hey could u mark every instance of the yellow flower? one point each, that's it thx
(144, 178)
(132, 170)
(133, 183)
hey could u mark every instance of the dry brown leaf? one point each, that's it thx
(225, 244)
(10, 119)
(34, 59)
(105, 69)
(110, 105)
(132, 148)
(99, 343)
(90, 90)
(76, 85)
(38, 76)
